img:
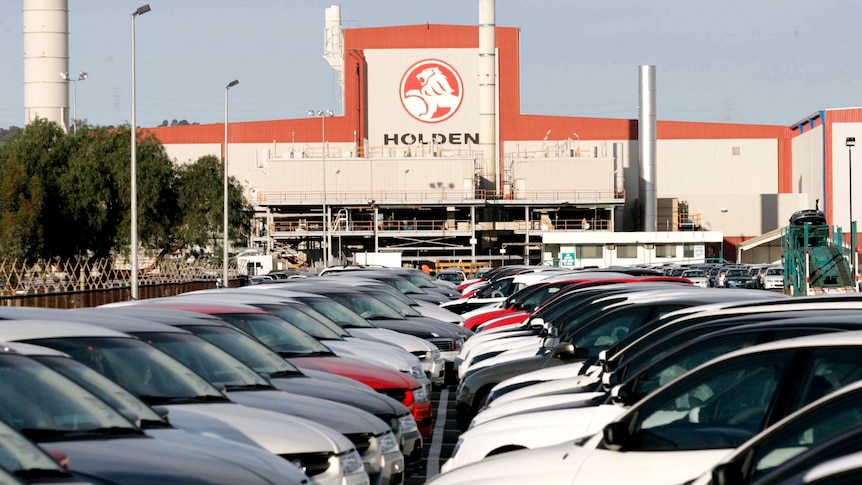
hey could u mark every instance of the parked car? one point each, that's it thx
(327, 456)
(21, 459)
(453, 275)
(788, 451)
(686, 427)
(287, 377)
(305, 352)
(773, 279)
(100, 442)
(254, 458)
(698, 277)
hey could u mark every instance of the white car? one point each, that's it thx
(327, 456)
(773, 279)
(678, 432)
(825, 430)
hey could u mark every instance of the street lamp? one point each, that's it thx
(74, 82)
(721, 253)
(134, 167)
(578, 145)
(851, 142)
(323, 114)
(224, 176)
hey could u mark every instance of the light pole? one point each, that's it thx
(74, 82)
(851, 142)
(323, 114)
(578, 145)
(226, 254)
(721, 253)
(134, 168)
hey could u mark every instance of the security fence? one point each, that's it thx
(91, 282)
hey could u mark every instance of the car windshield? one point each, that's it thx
(775, 272)
(303, 321)
(396, 304)
(695, 273)
(366, 306)
(453, 277)
(18, 454)
(736, 273)
(43, 405)
(148, 373)
(108, 390)
(335, 311)
(276, 334)
(208, 360)
(253, 353)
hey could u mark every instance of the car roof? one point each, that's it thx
(30, 349)
(11, 330)
(211, 308)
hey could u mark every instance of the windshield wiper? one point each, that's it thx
(285, 373)
(250, 387)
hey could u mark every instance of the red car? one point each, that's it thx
(305, 352)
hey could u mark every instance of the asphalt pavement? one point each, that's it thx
(439, 448)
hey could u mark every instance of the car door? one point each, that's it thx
(685, 428)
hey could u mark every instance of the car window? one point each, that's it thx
(720, 407)
(801, 434)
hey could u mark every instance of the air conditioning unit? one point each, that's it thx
(611, 247)
(649, 246)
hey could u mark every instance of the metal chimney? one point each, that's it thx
(647, 147)
(487, 86)
(46, 56)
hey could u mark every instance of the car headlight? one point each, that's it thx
(417, 372)
(407, 424)
(435, 355)
(351, 463)
(419, 395)
(388, 443)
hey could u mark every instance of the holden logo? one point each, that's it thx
(431, 91)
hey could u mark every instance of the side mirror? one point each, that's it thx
(603, 356)
(568, 350)
(620, 394)
(537, 324)
(727, 473)
(550, 342)
(617, 435)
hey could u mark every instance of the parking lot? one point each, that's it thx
(439, 448)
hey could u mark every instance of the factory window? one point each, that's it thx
(687, 250)
(589, 251)
(627, 251)
(665, 251)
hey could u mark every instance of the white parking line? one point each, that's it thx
(432, 468)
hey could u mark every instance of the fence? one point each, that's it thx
(87, 283)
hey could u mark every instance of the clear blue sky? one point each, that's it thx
(746, 61)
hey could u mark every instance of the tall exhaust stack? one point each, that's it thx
(46, 56)
(647, 147)
(487, 84)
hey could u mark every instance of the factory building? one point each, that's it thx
(430, 156)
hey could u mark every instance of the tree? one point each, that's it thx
(201, 204)
(20, 205)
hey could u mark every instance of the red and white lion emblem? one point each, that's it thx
(431, 91)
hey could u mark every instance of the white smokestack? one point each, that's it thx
(46, 56)
(647, 147)
(487, 84)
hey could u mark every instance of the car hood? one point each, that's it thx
(410, 343)
(278, 433)
(147, 460)
(340, 417)
(388, 356)
(371, 374)
(384, 407)
(236, 454)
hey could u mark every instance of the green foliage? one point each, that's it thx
(69, 196)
